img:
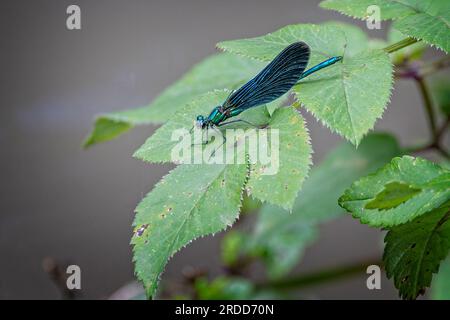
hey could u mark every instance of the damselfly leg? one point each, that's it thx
(240, 120)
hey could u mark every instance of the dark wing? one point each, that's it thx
(277, 78)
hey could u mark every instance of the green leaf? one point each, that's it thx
(104, 130)
(338, 95)
(414, 251)
(280, 237)
(428, 20)
(219, 71)
(440, 290)
(275, 180)
(401, 191)
(190, 202)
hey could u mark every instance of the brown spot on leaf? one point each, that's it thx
(140, 231)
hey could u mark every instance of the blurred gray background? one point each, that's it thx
(77, 206)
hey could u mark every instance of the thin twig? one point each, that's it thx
(400, 45)
(428, 105)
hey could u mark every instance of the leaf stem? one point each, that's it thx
(428, 105)
(316, 278)
(400, 45)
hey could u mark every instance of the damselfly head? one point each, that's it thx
(200, 121)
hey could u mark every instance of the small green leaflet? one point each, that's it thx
(106, 129)
(293, 159)
(221, 71)
(428, 20)
(393, 195)
(190, 202)
(415, 249)
(337, 95)
(401, 191)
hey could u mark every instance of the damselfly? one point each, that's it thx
(277, 78)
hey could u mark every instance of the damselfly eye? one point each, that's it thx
(200, 121)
